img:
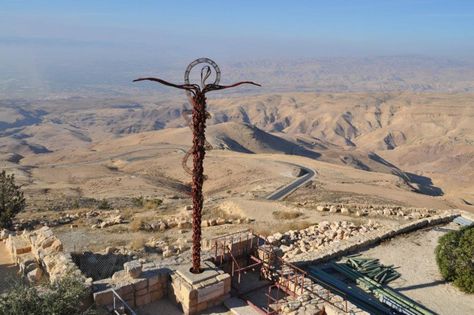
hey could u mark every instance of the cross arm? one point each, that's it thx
(188, 87)
(214, 87)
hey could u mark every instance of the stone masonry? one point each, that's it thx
(39, 253)
(340, 248)
(137, 284)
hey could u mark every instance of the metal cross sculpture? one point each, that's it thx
(197, 98)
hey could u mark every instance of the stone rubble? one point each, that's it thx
(185, 223)
(133, 268)
(366, 236)
(317, 237)
(359, 210)
(113, 220)
(23, 224)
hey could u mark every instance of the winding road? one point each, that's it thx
(284, 191)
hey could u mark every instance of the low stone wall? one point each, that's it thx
(320, 236)
(359, 210)
(137, 284)
(100, 265)
(338, 249)
(39, 253)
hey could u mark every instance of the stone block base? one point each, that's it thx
(198, 292)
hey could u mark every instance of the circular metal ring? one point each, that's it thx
(203, 60)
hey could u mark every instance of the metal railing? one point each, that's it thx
(238, 244)
(120, 307)
(292, 280)
(287, 278)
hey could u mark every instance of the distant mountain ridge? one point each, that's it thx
(331, 74)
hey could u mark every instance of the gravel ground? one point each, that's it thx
(420, 279)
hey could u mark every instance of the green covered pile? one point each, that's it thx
(373, 269)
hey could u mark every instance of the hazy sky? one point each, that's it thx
(261, 28)
(61, 35)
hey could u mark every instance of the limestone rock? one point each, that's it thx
(110, 250)
(133, 268)
(4, 234)
(167, 253)
(184, 225)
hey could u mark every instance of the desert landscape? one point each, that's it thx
(107, 175)
(237, 158)
(419, 145)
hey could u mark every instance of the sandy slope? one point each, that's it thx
(424, 285)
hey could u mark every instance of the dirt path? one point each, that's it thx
(421, 280)
(7, 269)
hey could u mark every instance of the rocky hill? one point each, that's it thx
(425, 139)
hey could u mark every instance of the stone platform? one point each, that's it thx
(198, 292)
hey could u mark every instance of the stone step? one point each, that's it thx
(240, 307)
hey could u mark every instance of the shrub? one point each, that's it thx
(454, 255)
(138, 201)
(216, 212)
(286, 215)
(104, 205)
(138, 243)
(142, 202)
(61, 298)
(12, 200)
(137, 224)
(152, 203)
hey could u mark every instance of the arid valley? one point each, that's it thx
(107, 174)
(410, 149)
(237, 157)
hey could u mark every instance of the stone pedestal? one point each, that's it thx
(197, 292)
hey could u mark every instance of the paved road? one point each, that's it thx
(284, 191)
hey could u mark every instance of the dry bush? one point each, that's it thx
(286, 215)
(265, 230)
(147, 203)
(216, 212)
(137, 243)
(128, 213)
(137, 224)
(152, 204)
(298, 225)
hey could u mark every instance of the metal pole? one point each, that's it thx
(199, 139)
